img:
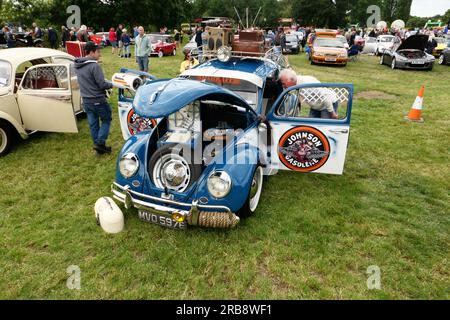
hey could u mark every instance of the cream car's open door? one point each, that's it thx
(45, 99)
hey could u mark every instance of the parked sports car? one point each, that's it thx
(444, 58)
(328, 51)
(441, 45)
(409, 55)
(218, 129)
(38, 92)
(162, 45)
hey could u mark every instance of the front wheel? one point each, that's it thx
(382, 60)
(174, 52)
(393, 64)
(160, 54)
(254, 194)
(6, 136)
(442, 60)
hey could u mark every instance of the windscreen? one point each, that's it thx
(245, 89)
(331, 43)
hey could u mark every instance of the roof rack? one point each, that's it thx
(273, 55)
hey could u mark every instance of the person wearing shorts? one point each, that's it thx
(113, 40)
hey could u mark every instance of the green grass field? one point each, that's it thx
(313, 236)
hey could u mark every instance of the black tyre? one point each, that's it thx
(254, 194)
(170, 168)
(441, 60)
(6, 138)
(393, 64)
(382, 60)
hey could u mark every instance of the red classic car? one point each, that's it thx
(97, 39)
(162, 45)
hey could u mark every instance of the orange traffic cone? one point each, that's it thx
(415, 114)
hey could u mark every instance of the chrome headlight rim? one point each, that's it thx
(224, 54)
(224, 176)
(129, 156)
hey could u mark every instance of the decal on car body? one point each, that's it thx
(303, 149)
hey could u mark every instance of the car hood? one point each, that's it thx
(162, 98)
(417, 42)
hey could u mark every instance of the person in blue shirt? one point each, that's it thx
(126, 40)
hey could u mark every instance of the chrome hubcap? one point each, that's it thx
(441, 59)
(171, 171)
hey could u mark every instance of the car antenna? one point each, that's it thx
(240, 20)
(257, 14)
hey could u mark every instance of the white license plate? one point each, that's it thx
(418, 62)
(161, 220)
(331, 59)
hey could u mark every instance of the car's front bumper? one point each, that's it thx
(328, 60)
(193, 213)
(408, 65)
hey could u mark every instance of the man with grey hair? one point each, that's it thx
(142, 48)
(322, 101)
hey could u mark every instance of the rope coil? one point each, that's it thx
(222, 220)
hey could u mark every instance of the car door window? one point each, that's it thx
(5, 73)
(46, 77)
(314, 102)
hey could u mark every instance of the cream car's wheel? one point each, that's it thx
(6, 136)
(254, 194)
(382, 60)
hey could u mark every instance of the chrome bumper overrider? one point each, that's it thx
(194, 213)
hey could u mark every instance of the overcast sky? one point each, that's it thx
(429, 8)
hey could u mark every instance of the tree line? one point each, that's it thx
(153, 14)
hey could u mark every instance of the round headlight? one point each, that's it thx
(128, 165)
(219, 184)
(224, 54)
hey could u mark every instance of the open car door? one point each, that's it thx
(130, 122)
(45, 99)
(304, 137)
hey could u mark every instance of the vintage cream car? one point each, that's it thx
(38, 92)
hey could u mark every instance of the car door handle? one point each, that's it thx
(339, 131)
(63, 98)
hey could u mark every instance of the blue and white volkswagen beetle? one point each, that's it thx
(205, 140)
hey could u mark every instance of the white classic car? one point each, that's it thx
(386, 42)
(38, 92)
